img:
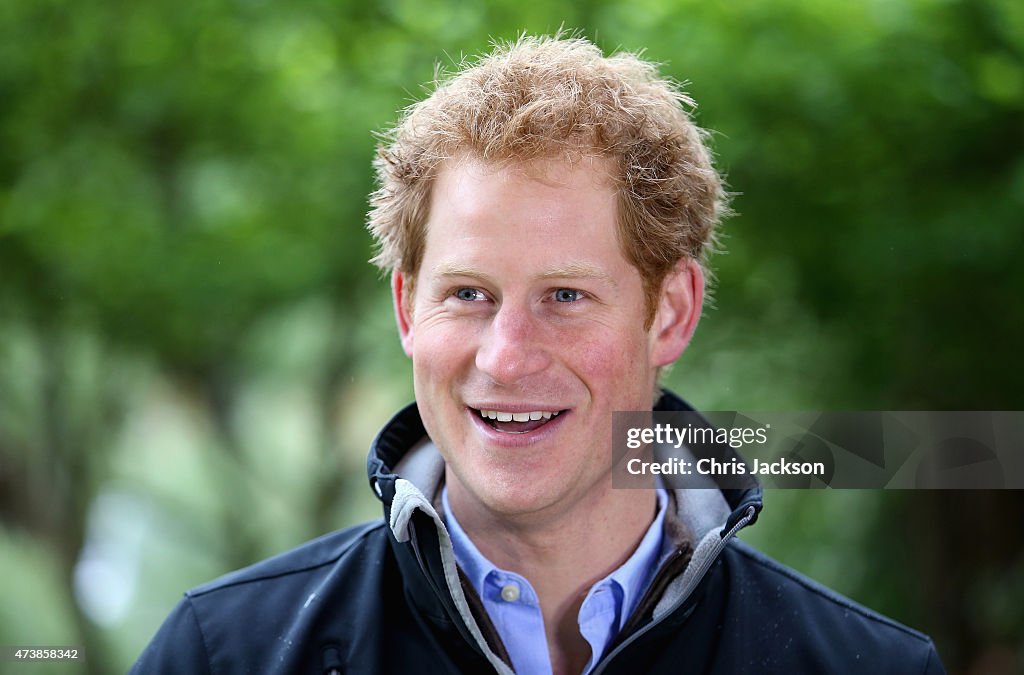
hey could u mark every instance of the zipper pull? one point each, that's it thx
(332, 660)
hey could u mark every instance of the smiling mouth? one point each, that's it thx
(517, 423)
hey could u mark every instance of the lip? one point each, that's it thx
(506, 440)
(516, 407)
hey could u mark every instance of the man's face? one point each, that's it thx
(525, 325)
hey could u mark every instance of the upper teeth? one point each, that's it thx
(517, 417)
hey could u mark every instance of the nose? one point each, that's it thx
(512, 348)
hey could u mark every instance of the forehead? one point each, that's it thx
(561, 207)
(557, 175)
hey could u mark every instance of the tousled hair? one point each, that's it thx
(558, 97)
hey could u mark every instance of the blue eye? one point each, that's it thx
(567, 295)
(469, 294)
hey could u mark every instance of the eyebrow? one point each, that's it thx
(448, 269)
(579, 271)
(570, 271)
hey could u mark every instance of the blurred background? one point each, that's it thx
(194, 354)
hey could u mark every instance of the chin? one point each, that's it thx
(514, 496)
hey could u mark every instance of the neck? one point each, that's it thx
(561, 554)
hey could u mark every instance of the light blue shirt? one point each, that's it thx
(514, 609)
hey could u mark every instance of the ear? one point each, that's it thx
(401, 295)
(679, 308)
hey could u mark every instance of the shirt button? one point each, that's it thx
(510, 592)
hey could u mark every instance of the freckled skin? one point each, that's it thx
(524, 296)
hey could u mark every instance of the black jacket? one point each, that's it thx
(386, 597)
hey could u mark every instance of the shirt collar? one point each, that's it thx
(631, 578)
(473, 563)
(636, 573)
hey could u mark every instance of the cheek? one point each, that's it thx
(436, 374)
(609, 364)
(440, 354)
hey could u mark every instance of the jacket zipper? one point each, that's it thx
(697, 578)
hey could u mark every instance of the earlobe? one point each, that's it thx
(679, 309)
(401, 296)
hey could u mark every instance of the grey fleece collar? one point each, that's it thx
(424, 467)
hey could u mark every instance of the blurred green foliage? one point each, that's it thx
(194, 353)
